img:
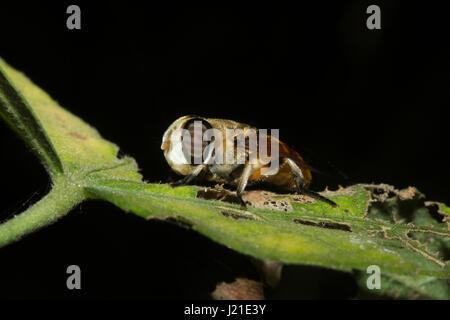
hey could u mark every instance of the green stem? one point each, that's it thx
(61, 199)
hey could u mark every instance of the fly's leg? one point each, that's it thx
(317, 196)
(246, 173)
(298, 176)
(188, 179)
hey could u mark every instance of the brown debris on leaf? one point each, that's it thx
(407, 194)
(301, 198)
(267, 200)
(382, 192)
(260, 199)
(240, 289)
(218, 193)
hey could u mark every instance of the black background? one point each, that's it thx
(370, 102)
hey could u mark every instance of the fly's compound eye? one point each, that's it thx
(193, 143)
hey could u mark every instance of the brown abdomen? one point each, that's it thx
(284, 177)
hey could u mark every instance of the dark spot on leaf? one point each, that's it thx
(180, 221)
(77, 135)
(324, 224)
(57, 117)
(234, 215)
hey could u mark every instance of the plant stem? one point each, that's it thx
(61, 199)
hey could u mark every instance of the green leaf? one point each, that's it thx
(343, 238)
(63, 141)
(14, 109)
(72, 152)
